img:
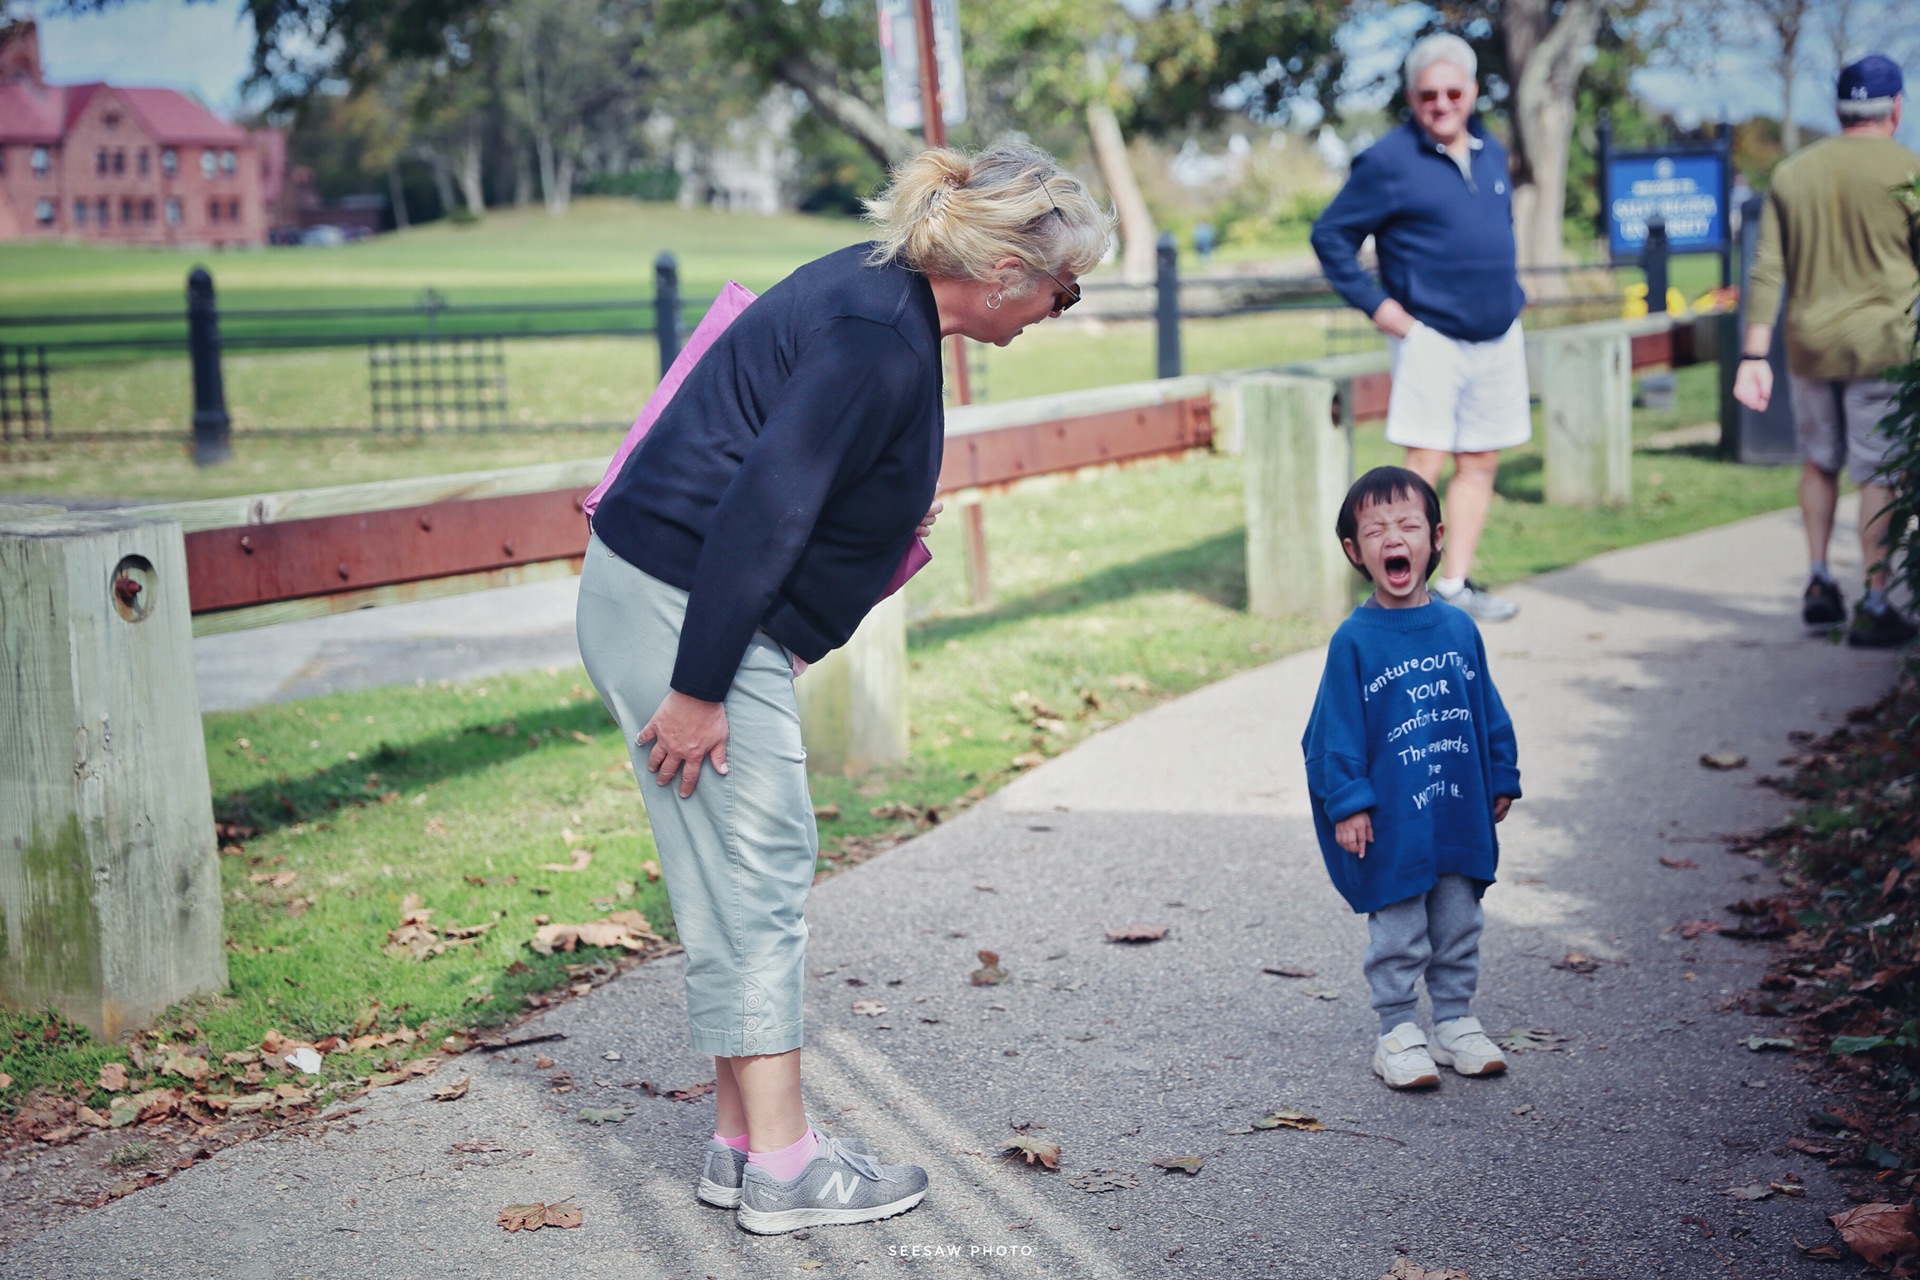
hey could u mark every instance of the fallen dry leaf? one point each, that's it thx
(1027, 760)
(1033, 1150)
(1537, 1039)
(1288, 1118)
(1290, 971)
(1691, 929)
(1408, 1269)
(870, 1008)
(1098, 1181)
(113, 1077)
(651, 870)
(692, 1093)
(990, 974)
(1679, 864)
(1723, 760)
(1576, 962)
(1878, 1232)
(604, 1115)
(1752, 1192)
(625, 929)
(1130, 683)
(1137, 933)
(1189, 1165)
(582, 859)
(1758, 1043)
(453, 1092)
(532, 1217)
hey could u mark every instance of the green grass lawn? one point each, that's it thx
(1114, 592)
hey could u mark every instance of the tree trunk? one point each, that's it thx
(397, 196)
(1138, 253)
(1789, 127)
(522, 176)
(845, 111)
(442, 180)
(1545, 57)
(468, 173)
(560, 194)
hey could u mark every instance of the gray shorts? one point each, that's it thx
(1838, 423)
(737, 855)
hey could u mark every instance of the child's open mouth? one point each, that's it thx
(1399, 569)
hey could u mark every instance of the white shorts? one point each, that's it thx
(1459, 397)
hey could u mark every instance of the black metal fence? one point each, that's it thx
(26, 410)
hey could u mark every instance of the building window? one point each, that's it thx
(173, 211)
(208, 163)
(100, 160)
(226, 161)
(126, 211)
(169, 161)
(79, 213)
(3, 159)
(143, 162)
(213, 211)
(41, 162)
(233, 211)
(43, 212)
(119, 161)
(146, 210)
(100, 211)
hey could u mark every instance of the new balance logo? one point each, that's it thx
(840, 1185)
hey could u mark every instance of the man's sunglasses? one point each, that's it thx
(1433, 95)
(1065, 295)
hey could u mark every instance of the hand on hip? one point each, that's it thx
(685, 733)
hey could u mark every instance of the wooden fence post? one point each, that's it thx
(109, 877)
(853, 702)
(1586, 394)
(1299, 462)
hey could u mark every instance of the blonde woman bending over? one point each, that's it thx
(748, 535)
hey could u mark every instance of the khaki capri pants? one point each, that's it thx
(738, 855)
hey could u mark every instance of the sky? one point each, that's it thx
(205, 49)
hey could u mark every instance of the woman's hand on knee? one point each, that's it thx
(685, 733)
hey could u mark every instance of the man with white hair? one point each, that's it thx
(1833, 236)
(1435, 196)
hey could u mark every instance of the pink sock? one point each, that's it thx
(787, 1163)
(738, 1144)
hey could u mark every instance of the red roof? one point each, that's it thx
(171, 116)
(32, 114)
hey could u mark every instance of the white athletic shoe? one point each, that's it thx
(1402, 1060)
(1462, 1044)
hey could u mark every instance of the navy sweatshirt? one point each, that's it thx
(782, 484)
(1444, 241)
(1408, 724)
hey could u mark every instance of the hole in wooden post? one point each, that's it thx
(131, 588)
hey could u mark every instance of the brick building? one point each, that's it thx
(133, 166)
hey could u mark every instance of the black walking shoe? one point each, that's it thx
(1822, 605)
(1882, 628)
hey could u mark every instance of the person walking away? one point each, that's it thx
(1411, 762)
(756, 524)
(1435, 196)
(1833, 237)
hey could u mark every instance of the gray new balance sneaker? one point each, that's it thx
(838, 1187)
(1480, 604)
(720, 1179)
(721, 1176)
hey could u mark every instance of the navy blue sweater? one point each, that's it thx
(1444, 242)
(1408, 724)
(781, 486)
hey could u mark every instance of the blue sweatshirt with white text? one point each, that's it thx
(1407, 724)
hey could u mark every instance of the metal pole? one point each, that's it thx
(212, 428)
(666, 309)
(1725, 142)
(1656, 264)
(1167, 313)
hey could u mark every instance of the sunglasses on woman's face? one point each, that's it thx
(1433, 95)
(1066, 295)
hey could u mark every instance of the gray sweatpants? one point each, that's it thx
(1435, 934)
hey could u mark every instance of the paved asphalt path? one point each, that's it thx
(1608, 1157)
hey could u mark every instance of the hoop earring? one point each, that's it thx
(993, 301)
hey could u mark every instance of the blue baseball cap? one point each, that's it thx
(1873, 76)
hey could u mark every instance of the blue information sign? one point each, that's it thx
(1686, 188)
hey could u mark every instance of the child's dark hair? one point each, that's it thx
(1387, 484)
